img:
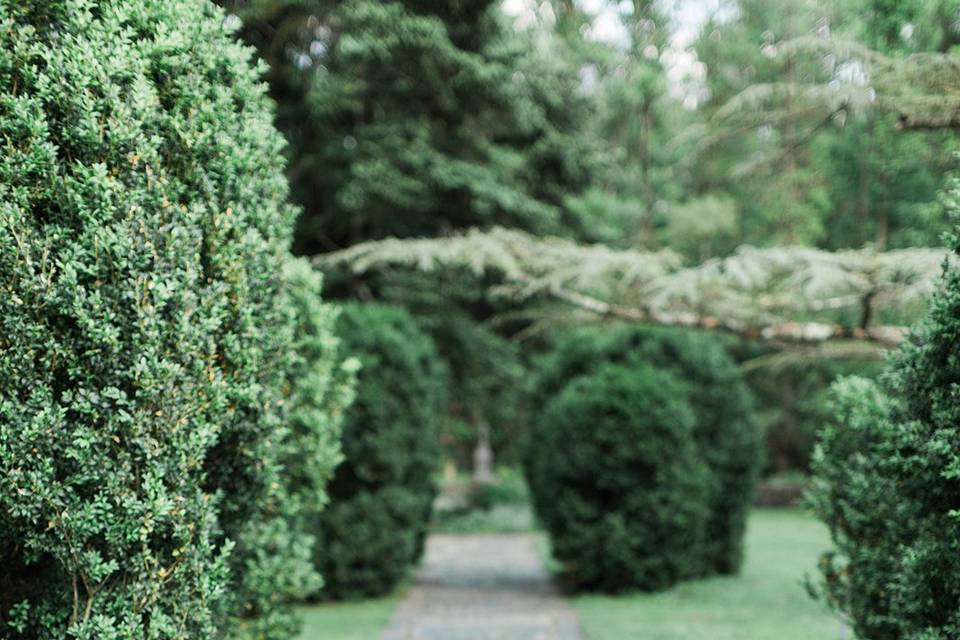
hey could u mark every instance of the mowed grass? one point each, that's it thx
(767, 601)
(364, 620)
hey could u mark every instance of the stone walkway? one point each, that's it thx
(483, 587)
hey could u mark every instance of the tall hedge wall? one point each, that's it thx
(382, 494)
(145, 331)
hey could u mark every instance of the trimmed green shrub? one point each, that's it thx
(382, 494)
(725, 429)
(145, 332)
(888, 486)
(618, 481)
(276, 543)
(321, 388)
(855, 494)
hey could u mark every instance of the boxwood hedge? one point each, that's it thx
(888, 485)
(618, 481)
(146, 335)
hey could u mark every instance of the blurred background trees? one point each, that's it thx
(625, 123)
(417, 118)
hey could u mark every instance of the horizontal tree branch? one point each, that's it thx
(793, 332)
(787, 295)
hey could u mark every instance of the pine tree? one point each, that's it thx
(412, 117)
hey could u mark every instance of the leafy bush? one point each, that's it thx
(725, 431)
(618, 481)
(381, 495)
(888, 486)
(145, 335)
(321, 389)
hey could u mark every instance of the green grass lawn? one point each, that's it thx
(364, 620)
(766, 602)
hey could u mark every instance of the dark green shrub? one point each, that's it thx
(382, 494)
(888, 486)
(275, 543)
(618, 481)
(145, 335)
(725, 430)
(856, 497)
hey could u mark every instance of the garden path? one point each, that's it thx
(483, 587)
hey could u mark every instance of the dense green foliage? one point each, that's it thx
(618, 481)
(146, 332)
(321, 388)
(725, 432)
(691, 166)
(887, 472)
(417, 118)
(792, 392)
(409, 117)
(382, 493)
(412, 118)
(171, 385)
(836, 176)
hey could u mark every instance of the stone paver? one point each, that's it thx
(483, 587)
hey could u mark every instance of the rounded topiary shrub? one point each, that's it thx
(726, 432)
(145, 335)
(382, 493)
(618, 482)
